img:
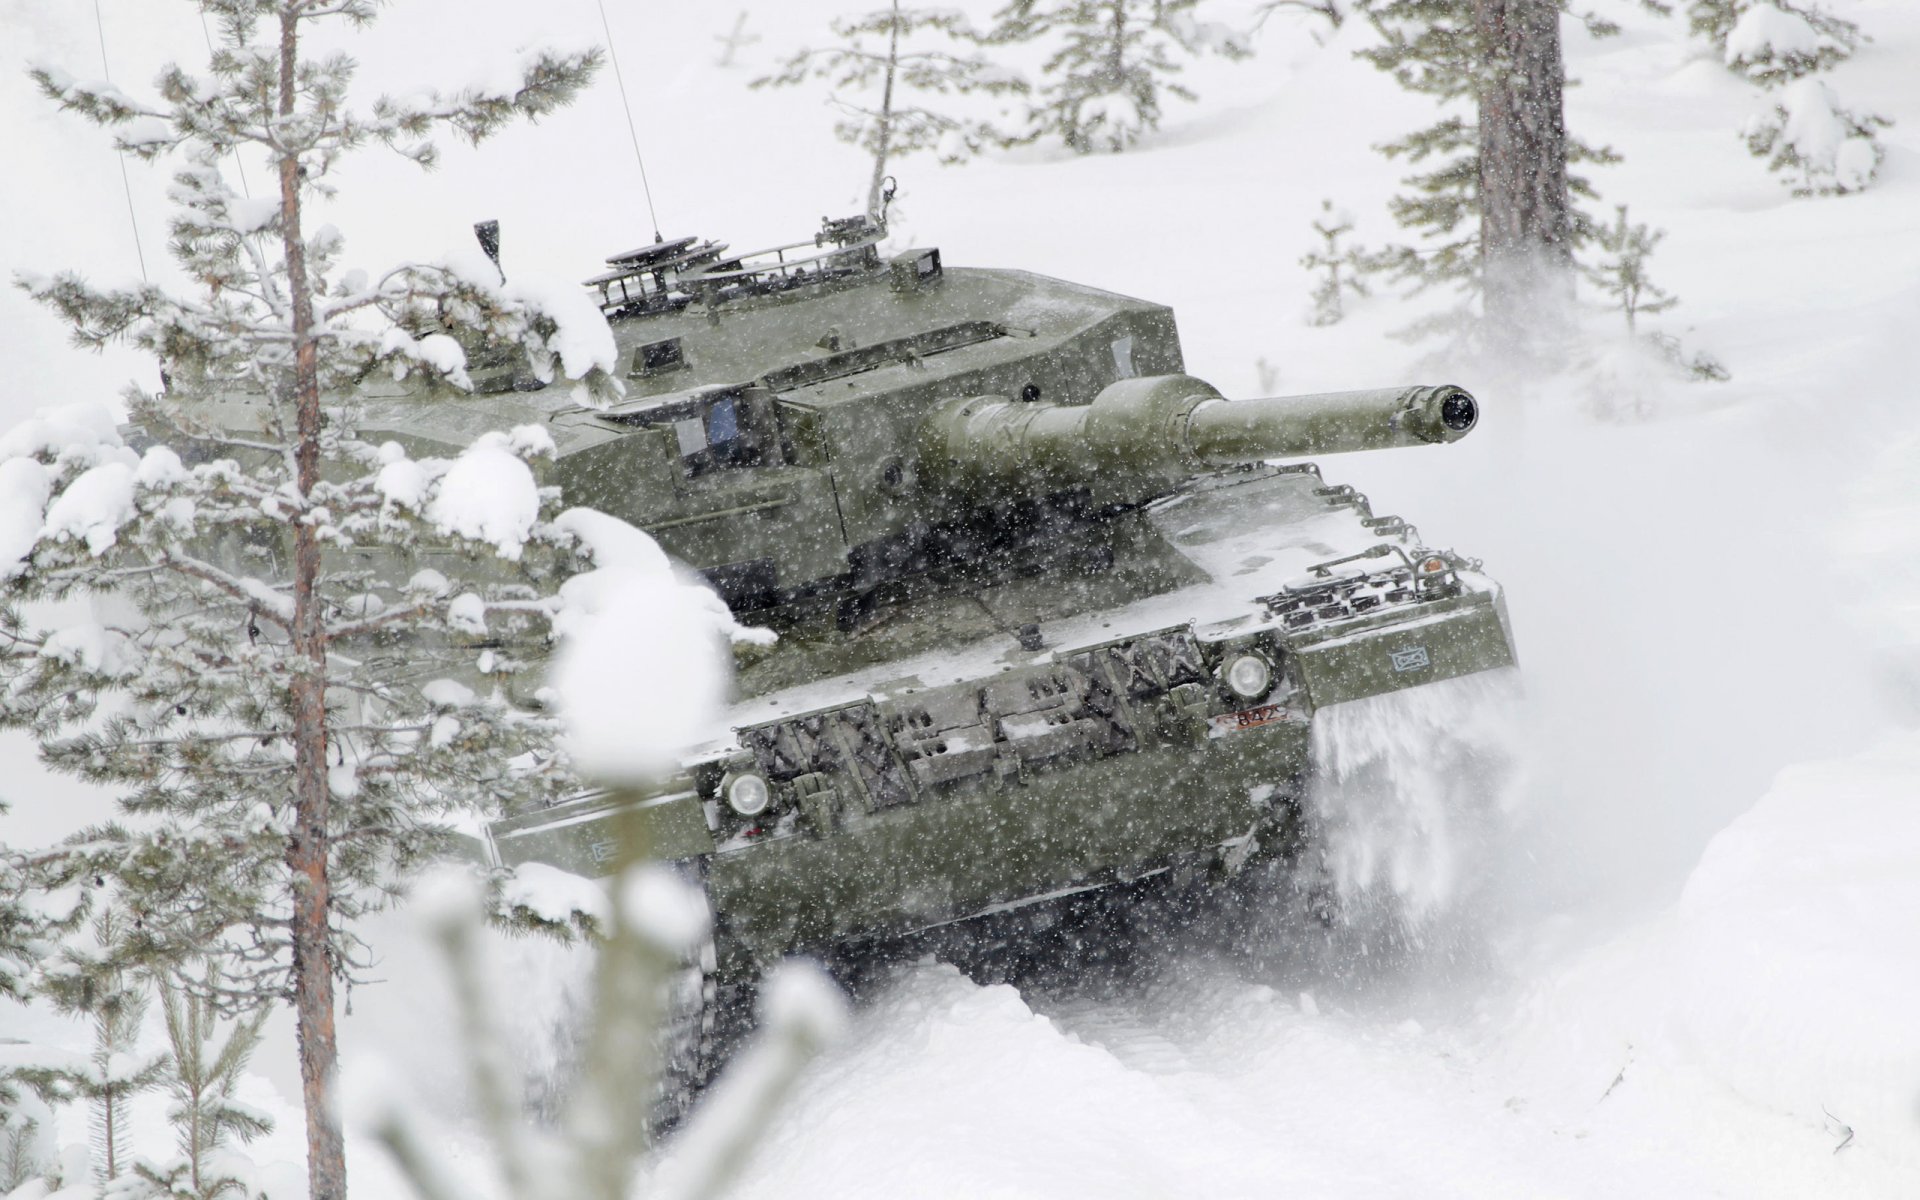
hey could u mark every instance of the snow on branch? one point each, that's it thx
(541, 81)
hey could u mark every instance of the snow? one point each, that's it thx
(1785, 970)
(1764, 32)
(79, 433)
(582, 338)
(664, 909)
(93, 507)
(467, 613)
(1813, 127)
(488, 494)
(24, 489)
(641, 668)
(94, 647)
(554, 895)
(1702, 600)
(1410, 786)
(446, 693)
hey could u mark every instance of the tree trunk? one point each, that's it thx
(1526, 222)
(308, 849)
(885, 132)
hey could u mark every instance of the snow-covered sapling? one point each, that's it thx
(1343, 266)
(202, 1078)
(897, 77)
(287, 696)
(86, 980)
(1622, 272)
(1821, 148)
(1112, 63)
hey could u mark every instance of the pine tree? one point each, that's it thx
(1821, 147)
(1496, 208)
(1112, 63)
(267, 687)
(888, 51)
(1345, 267)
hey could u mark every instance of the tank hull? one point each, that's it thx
(931, 788)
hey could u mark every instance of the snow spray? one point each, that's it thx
(1408, 790)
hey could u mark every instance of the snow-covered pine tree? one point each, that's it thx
(267, 684)
(1496, 207)
(1112, 62)
(1344, 267)
(1806, 134)
(893, 78)
(202, 1077)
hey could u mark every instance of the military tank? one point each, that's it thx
(1049, 620)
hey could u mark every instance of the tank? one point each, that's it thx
(1050, 620)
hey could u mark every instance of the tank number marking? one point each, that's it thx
(1247, 718)
(1411, 659)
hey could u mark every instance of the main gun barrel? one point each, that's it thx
(1141, 436)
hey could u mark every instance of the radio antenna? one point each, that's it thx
(627, 105)
(100, 27)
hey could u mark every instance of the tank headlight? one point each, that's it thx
(1249, 676)
(1433, 566)
(747, 794)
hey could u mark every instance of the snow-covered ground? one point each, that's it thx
(1691, 958)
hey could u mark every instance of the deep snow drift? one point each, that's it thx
(1694, 947)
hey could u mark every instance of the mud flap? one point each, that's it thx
(1424, 649)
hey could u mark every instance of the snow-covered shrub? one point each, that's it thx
(1112, 63)
(1773, 41)
(1822, 148)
